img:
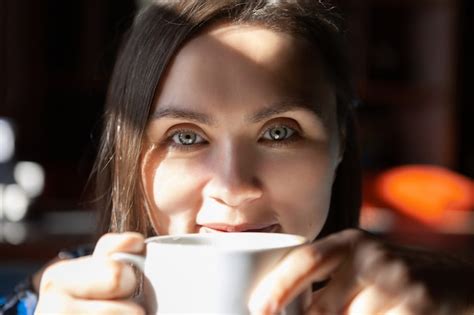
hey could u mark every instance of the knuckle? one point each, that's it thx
(394, 277)
(50, 276)
(132, 240)
(113, 242)
(114, 277)
(47, 279)
(370, 245)
(372, 256)
(400, 271)
(107, 236)
(120, 279)
(308, 257)
(420, 294)
(105, 239)
(355, 234)
(310, 253)
(419, 299)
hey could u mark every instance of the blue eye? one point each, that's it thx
(278, 133)
(186, 138)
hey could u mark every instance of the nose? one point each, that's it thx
(234, 181)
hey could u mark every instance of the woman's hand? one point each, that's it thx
(93, 284)
(366, 276)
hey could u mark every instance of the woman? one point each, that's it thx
(236, 116)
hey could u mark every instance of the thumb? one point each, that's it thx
(130, 242)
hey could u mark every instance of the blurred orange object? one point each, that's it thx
(427, 193)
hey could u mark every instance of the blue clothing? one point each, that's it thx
(23, 299)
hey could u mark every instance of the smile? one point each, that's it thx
(224, 228)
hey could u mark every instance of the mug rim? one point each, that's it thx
(290, 240)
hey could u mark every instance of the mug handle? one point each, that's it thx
(136, 260)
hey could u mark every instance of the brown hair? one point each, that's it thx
(154, 38)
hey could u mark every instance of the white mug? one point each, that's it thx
(209, 273)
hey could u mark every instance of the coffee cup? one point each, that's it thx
(212, 273)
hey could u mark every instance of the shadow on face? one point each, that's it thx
(242, 136)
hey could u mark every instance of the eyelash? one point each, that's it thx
(182, 147)
(294, 136)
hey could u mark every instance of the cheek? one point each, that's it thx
(172, 185)
(301, 191)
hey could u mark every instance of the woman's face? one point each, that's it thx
(243, 136)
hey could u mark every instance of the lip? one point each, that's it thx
(225, 228)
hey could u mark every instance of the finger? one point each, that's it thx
(389, 284)
(375, 265)
(299, 269)
(90, 278)
(130, 242)
(108, 307)
(63, 304)
(371, 300)
(370, 265)
(339, 291)
(415, 300)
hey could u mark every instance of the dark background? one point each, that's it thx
(55, 61)
(412, 67)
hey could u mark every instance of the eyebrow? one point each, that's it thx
(172, 111)
(283, 107)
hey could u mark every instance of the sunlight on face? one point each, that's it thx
(243, 136)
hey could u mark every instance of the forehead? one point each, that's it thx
(257, 44)
(246, 64)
